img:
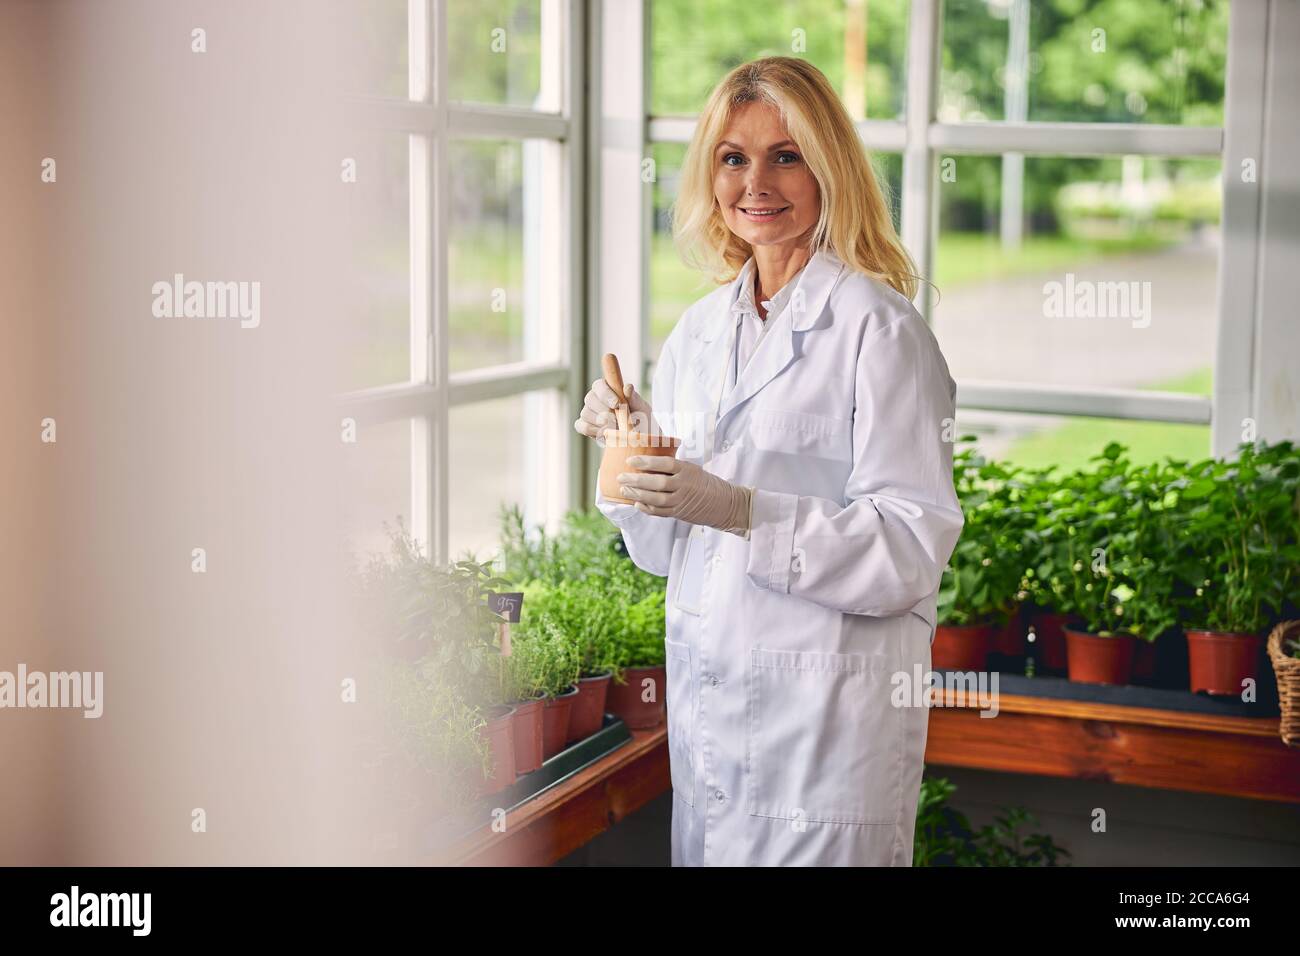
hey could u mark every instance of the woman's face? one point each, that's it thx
(758, 169)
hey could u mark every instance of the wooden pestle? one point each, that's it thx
(614, 379)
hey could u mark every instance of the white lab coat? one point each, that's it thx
(784, 746)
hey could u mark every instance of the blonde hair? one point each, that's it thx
(854, 222)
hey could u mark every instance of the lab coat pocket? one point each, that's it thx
(681, 719)
(823, 742)
(802, 433)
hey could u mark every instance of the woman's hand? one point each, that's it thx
(674, 488)
(598, 412)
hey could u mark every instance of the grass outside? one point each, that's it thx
(1070, 445)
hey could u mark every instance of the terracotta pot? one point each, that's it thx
(625, 700)
(500, 734)
(619, 447)
(1049, 634)
(1217, 663)
(555, 722)
(588, 711)
(528, 735)
(1099, 660)
(961, 647)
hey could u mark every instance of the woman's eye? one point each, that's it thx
(794, 158)
(727, 160)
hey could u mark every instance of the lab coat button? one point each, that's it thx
(720, 796)
(714, 680)
(726, 445)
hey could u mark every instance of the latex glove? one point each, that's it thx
(598, 413)
(674, 488)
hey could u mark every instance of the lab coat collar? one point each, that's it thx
(776, 349)
(815, 281)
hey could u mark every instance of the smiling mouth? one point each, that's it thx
(759, 215)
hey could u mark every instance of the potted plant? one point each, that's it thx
(523, 680)
(584, 611)
(1047, 571)
(613, 610)
(1086, 508)
(553, 664)
(978, 592)
(637, 691)
(1239, 525)
(436, 621)
(434, 755)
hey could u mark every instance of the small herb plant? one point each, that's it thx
(982, 582)
(1239, 536)
(944, 836)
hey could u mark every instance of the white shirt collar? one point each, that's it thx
(744, 303)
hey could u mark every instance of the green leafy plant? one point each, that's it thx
(1238, 533)
(421, 610)
(982, 582)
(582, 578)
(544, 658)
(432, 730)
(944, 836)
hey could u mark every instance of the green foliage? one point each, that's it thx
(544, 656)
(1124, 548)
(434, 730)
(440, 612)
(439, 665)
(582, 580)
(1237, 548)
(982, 582)
(944, 836)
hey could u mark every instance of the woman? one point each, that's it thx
(806, 520)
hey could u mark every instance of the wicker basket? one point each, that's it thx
(1287, 669)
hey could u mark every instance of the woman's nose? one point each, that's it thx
(756, 181)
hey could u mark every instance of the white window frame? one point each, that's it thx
(920, 138)
(432, 391)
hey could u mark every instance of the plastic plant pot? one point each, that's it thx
(629, 700)
(588, 709)
(1217, 663)
(962, 647)
(528, 735)
(555, 722)
(1099, 660)
(1049, 631)
(500, 735)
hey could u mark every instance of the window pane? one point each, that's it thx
(1069, 442)
(380, 212)
(695, 45)
(510, 451)
(673, 286)
(1159, 61)
(504, 52)
(505, 254)
(376, 486)
(1079, 272)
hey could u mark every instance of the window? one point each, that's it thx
(467, 357)
(517, 160)
(1042, 154)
